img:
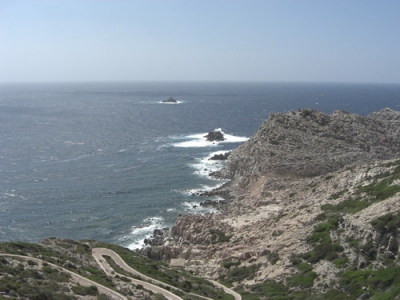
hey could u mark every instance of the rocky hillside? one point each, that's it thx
(66, 270)
(313, 211)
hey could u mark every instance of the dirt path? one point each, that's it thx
(99, 252)
(104, 265)
(78, 278)
(227, 290)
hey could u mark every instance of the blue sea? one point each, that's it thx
(110, 161)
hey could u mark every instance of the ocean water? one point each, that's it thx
(109, 161)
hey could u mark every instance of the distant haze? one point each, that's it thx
(210, 40)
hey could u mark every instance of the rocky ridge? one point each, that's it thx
(309, 143)
(305, 197)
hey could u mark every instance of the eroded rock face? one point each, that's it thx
(310, 143)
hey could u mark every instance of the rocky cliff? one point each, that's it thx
(308, 143)
(313, 210)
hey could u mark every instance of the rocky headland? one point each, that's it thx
(311, 208)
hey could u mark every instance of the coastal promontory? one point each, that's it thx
(312, 209)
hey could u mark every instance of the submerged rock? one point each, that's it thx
(222, 156)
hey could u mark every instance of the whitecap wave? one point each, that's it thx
(139, 233)
(172, 103)
(203, 166)
(83, 156)
(199, 140)
(73, 143)
(196, 208)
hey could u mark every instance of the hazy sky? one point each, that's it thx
(249, 40)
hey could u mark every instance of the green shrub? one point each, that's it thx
(270, 290)
(382, 189)
(338, 194)
(273, 257)
(229, 262)
(306, 113)
(387, 223)
(306, 277)
(240, 273)
(385, 277)
(323, 246)
(350, 206)
(277, 232)
(85, 290)
(341, 261)
(218, 236)
(31, 263)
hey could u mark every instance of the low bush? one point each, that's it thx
(305, 279)
(85, 290)
(219, 237)
(230, 262)
(387, 223)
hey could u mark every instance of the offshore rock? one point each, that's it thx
(170, 100)
(215, 136)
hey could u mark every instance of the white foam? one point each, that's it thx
(75, 158)
(197, 143)
(125, 169)
(177, 102)
(234, 139)
(196, 208)
(204, 166)
(199, 140)
(140, 233)
(73, 143)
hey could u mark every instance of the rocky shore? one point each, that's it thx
(305, 195)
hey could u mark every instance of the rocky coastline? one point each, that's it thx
(298, 172)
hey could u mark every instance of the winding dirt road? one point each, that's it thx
(105, 266)
(78, 278)
(99, 252)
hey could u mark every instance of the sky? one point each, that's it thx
(200, 40)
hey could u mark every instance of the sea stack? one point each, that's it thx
(213, 136)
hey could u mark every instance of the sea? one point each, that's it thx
(109, 161)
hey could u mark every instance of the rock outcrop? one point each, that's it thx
(309, 143)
